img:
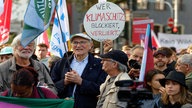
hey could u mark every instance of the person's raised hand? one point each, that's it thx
(107, 45)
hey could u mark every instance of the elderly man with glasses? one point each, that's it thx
(115, 65)
(79, 75)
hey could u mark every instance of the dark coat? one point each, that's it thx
(86, 94)
(160, 104)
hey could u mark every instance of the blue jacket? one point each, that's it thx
(86, 94)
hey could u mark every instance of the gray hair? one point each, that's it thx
(16, 41)
(121, 67)
(186, 59)
(136, 47)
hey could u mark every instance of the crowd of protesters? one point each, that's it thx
(89, 78)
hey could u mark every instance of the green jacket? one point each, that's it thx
(188, 80)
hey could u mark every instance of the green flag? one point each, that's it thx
(15, 102)
(37, 19)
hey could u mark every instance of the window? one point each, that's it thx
(179, 4)
(157, 28)
(142, 4)
(159, 5)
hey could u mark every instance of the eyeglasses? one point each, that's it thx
(80, 42)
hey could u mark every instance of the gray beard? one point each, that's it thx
(26, 56)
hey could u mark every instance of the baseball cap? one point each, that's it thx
(163, 52)
(6, 50)
(82, 35)
(116, 55)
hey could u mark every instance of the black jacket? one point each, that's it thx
(161, 105)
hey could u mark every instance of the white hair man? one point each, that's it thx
(22, 58)
(184, 65)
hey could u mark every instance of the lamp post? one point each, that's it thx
(130, 2)
(176, 14)
(128, 8)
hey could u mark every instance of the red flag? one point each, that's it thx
(147, 61)
(5, 18)
(43, 38)
(1, 6)
(155, 42)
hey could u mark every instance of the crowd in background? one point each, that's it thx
(89, 78)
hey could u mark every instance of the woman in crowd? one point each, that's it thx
(152, 84)
(177, 95)
(24, 84)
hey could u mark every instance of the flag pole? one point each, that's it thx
(67, 56)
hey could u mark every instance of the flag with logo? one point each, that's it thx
(14, 102)
(60, 31)
(147, 61)
(37, 19)
(5, 18)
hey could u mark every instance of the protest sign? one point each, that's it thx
(104, 20)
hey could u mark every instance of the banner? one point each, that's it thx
(139, 29)
(175, 40)
(5, 18)
(14, 102)
(60, 31)
(37, 19)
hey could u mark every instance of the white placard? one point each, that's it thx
(174, 40)
(103, 21)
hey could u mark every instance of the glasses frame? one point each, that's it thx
(75, 43)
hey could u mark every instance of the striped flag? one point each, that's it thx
(14, 102)
(37, 19)
(5, 18)
(147, 61)
(155, 41)
(60, 31)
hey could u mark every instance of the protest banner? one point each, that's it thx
(139, 29)
(175, 40)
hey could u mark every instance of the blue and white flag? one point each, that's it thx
(37, 19)
(58, 40)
